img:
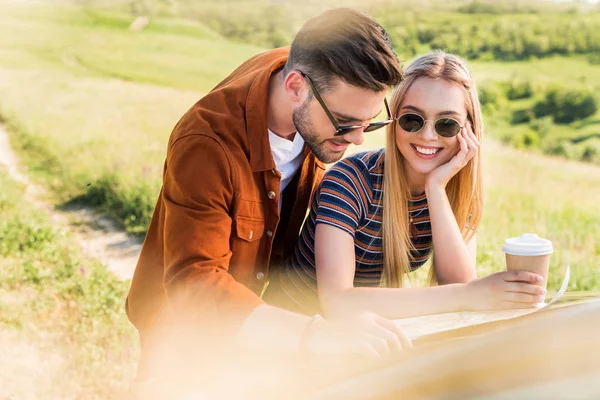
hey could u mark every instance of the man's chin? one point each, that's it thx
(325, 154)
(329, 157)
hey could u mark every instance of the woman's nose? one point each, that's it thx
(428, 131)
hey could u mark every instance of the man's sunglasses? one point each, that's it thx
(341, 130)
(445, 127)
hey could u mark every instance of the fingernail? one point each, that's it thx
(543, 291)
(541, 298)
(539, 278)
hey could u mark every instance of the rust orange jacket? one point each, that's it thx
(216, 232)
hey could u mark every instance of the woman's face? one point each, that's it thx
(432, 99)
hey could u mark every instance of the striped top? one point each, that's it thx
(350, 198)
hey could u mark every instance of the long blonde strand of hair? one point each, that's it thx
(464, 190)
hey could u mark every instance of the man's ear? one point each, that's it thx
(296, 87)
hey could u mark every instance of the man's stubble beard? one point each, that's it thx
(301, 119)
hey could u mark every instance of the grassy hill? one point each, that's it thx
(90, 106)
(93, 103)
(63, 330)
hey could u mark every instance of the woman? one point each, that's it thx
(379, 215)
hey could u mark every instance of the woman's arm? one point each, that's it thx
(334, 252)
(454, 260)
(335, 260)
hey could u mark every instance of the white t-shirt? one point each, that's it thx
(288, 157)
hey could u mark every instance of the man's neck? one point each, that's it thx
(279, 109)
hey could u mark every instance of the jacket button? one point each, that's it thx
(271, 195)
(274, 172)
(260, 276)
(270, 233)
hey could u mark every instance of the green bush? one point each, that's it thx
(524, 138)
(591, 151)
(132, 203)
(521, 116)
(561, 147)
(23, 234)
(491, 98)
(566, 105)
(542, 126)
(519, 90)
(549, 105)
(594, 58)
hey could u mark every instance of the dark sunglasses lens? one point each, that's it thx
(447, 127)
(411, 122)
(376, 125)
(343, 130)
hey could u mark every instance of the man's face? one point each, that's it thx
(349, 105)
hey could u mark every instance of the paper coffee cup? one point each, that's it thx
(529, 252)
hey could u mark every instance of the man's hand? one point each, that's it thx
(364, 334)
(504, 290)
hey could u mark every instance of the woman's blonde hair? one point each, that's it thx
(464, 189)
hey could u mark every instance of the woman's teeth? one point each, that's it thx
(423, 150)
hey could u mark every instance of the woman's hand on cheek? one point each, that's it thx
(468, 147)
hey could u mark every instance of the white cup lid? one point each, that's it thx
(528, 244)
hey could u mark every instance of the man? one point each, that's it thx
(241, 166)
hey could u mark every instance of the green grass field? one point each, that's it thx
(93, 105)
(89, 106)
(574, 73)
(63, 330)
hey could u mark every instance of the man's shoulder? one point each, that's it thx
(192, 127)
(256, 63)
(221, 113)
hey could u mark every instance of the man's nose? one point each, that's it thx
(356, 136)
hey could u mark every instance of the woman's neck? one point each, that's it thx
(416, 182)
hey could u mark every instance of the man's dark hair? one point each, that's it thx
(346, 44)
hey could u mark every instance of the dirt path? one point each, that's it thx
(98, 236)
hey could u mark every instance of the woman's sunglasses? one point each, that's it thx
(445, 127)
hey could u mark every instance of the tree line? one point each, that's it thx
(488, 30)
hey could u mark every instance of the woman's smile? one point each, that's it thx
(426, 152)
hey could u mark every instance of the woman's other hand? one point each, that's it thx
(504, 290)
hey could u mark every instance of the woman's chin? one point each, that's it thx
(422, 168)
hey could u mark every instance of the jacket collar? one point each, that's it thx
(261, 158)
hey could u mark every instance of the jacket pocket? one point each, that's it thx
(249, 229)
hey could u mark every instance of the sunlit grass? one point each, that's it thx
(552, 197)
(173, 53)
(91, 105)
(62, 327)
(573, 70)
